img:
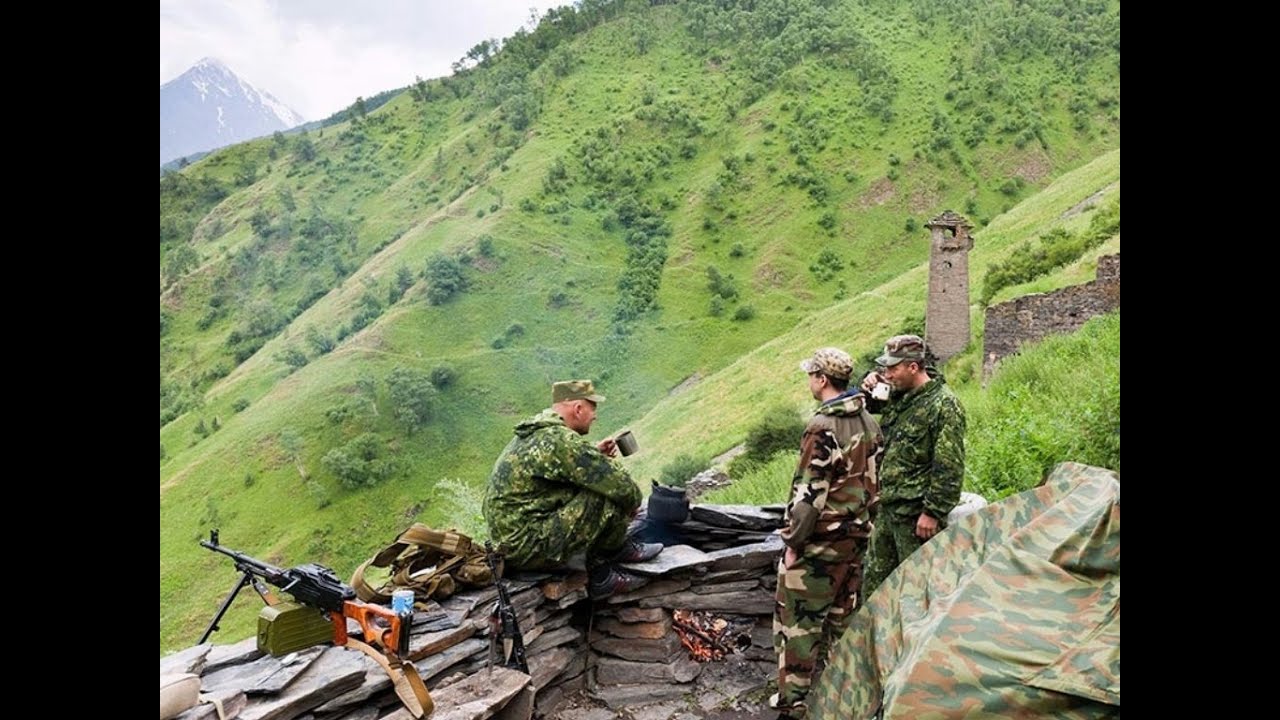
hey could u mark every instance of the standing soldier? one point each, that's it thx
(828, 521)
(555, 500)
(923, 463)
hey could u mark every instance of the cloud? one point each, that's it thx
(317, 55)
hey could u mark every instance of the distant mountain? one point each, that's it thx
(208, 107)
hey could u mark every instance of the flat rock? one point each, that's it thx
(190, 660)
(739, 517)
(572, 598)
(439, 663)
(558, 620)
(752, 602)
(723, 576)
(421, 646)
(624, 696)
(755, 555)
(556, 637)
(222, 656)
(233, 702)
(336, 671)
(265, 676)
(437, 620)
(375, 681)
(611, 671)
(660, 650)
(559, 587)
(481, 696)
(635, 614)
(544, 667)
(735, 586)
(646, 630)
(659, 587)
(675, 557)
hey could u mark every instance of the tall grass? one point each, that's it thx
(767, 483)
(1057, 400)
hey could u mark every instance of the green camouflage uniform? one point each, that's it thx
(552, 494)
(833, 495)
(921, 471)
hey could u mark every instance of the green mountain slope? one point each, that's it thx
(630, 193)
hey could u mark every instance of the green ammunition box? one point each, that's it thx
(288, 626)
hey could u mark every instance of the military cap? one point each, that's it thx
(829, 361)
(574, 390)
(900, 348)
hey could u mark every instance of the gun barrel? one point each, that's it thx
(245, 562)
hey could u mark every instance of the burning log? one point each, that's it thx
(706, 636)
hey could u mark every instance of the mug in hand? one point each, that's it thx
(626, 442)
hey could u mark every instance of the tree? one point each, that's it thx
(304, 149)
(444, 278)
(357, 110)
(293, 357)
(361, 462)
(401, 284)
(442, 376)
(178, 262)
(412, 396)
(318, 341)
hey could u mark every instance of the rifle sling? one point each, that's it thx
(404, 678)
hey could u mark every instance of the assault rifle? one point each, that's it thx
(318, 588)
(503, 623)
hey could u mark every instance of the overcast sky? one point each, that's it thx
(316, 56)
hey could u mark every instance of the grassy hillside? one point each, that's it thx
(632, 194)
(714, 415)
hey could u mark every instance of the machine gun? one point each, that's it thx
(503, 620)
(285, 627)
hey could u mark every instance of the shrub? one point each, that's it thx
(680, 470)
(442, 376)
(444, 278)
(361, 462)
(412, 396)
(778, 430)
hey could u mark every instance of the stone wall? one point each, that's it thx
(622, 650)
(1033, 317)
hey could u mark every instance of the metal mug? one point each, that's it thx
(880, 391)
(626, 443)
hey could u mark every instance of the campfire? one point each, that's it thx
(710, 637)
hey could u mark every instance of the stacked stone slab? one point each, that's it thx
(725, 563)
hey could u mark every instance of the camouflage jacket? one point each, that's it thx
(541, 470)
(834, 489)
(922, 467)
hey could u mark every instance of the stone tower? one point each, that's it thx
(947, 314)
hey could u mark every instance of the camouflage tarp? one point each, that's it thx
(1014, 611)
